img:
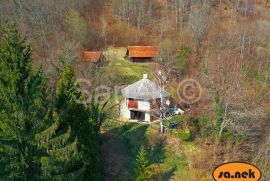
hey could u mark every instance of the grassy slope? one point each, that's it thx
(120, 141)
(169, 157)
(126, 72)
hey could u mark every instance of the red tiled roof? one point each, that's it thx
(91, 56)
(142, 51)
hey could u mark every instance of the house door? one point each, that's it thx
(136, 115)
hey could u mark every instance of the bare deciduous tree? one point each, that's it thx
(198, 23)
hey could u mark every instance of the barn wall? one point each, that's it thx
(140, 60)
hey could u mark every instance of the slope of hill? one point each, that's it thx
(168, 155)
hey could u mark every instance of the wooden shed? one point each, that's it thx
(141, 53)
(95, 57)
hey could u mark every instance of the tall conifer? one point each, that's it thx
(21, 109)
(77, 116)
(32, 144)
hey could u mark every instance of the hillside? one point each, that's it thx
(63, 117)
(169, 156)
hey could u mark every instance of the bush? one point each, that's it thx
(193, 125)
(206, 127)
(219, 109)
(178, 120)
(183, 135)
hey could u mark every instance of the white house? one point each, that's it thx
(142, 100)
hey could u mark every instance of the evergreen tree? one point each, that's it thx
(98, 113)
(141, 171)
(21, 109)
(31, 146)
(62, 159)
(77, 116)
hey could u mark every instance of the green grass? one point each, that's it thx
(125, 72)
(124, 141)
(121, 140)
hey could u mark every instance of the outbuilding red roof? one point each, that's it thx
(91, 56)
(142, 51)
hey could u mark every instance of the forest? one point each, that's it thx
(60, 117)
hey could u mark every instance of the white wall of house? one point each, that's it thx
(143, 105)
(125, 113)
(147, 117)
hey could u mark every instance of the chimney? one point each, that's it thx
(145, 76)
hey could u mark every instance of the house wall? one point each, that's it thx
(144, 105)
(138, 104)
(148, 117)
(124, 111)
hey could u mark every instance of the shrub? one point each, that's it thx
(183, 135)
(206, 127)
(193, 125)
(219, 109)
(178, 120)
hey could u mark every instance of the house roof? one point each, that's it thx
(144, 89)
(142, 51)
(91, 56)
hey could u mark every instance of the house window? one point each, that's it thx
(136, 115)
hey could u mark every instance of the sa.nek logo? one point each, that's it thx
(237, 171)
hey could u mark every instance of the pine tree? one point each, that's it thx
(141, 171)
(21, 97)
(62, 159)
(31, 146)
(99, 113)
(77, 116)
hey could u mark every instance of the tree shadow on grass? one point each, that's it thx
(157, 153)
(169, 174)
(156, 157)
(119, 147)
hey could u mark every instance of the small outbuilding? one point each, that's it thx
(141, 53)
(142, 100)
(95, 57)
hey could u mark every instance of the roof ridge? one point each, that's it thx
(144, 89)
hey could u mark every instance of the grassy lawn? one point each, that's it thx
(126, 72)
(169, 157)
